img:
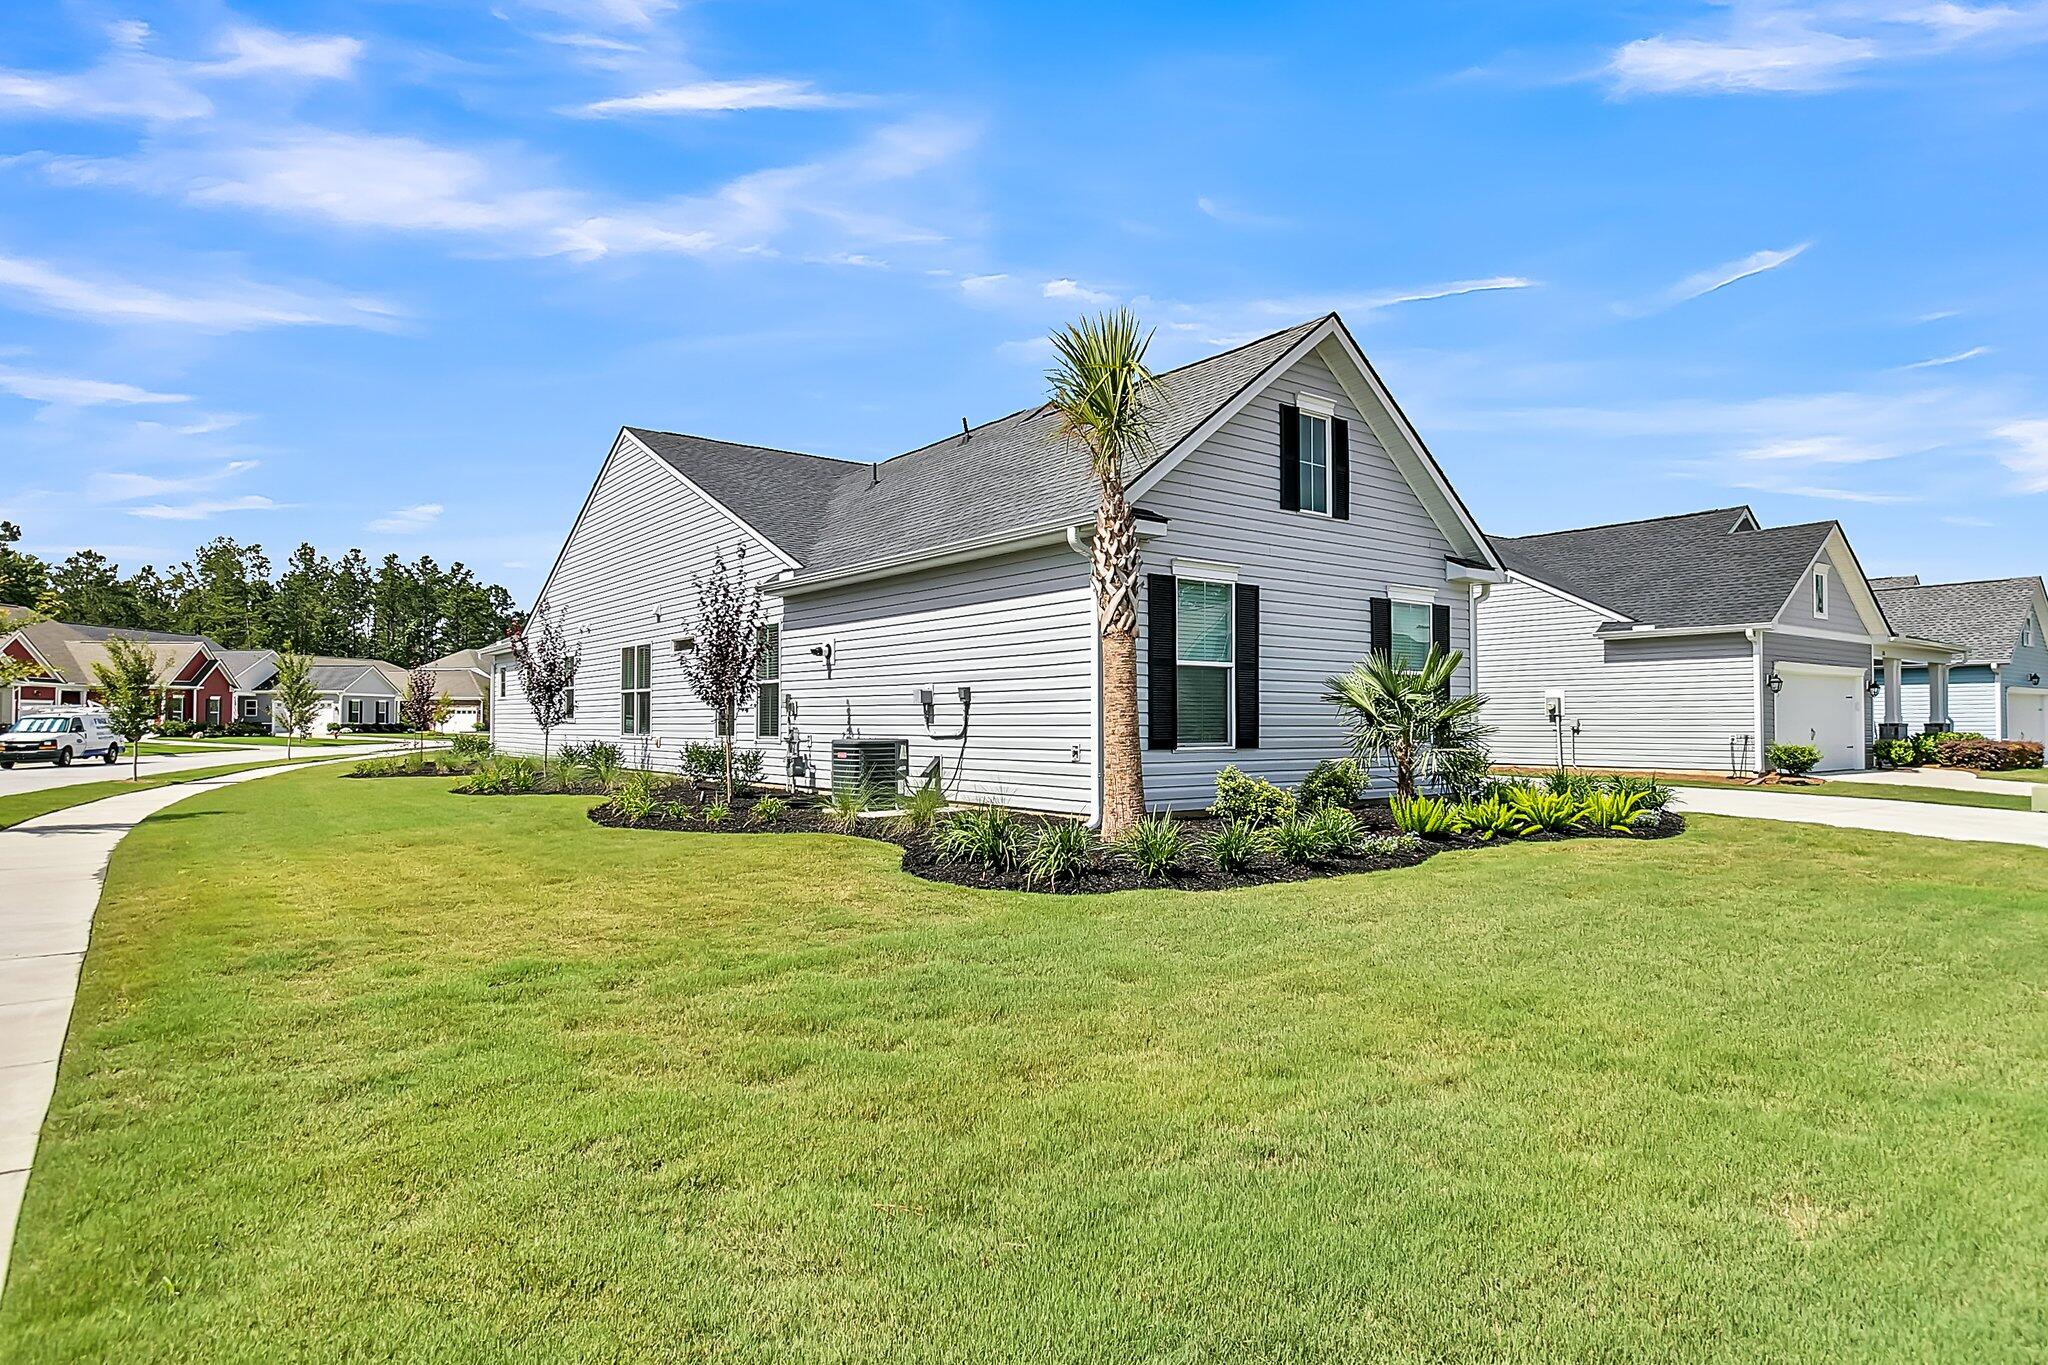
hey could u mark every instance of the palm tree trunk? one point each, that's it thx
(1115, 570)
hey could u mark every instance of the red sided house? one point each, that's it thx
(60, 656)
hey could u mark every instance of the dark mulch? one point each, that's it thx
(1105, 873)
(429, 770)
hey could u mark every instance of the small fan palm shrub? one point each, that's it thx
(1058, 852)
(1236, 846)
(1424, 815)
(1484, 819)
(1409, 720)
(1155, 845)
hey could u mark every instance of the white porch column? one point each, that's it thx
(1894, 707)
(1937, 694)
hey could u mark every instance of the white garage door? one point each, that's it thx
(2027, 715)
(1823, 707)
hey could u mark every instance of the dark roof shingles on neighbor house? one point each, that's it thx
(1675, 572)
(1011, 474)
(1985, 618)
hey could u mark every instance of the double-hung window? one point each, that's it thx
(1820, 593)
(636, 689)
(383, 712)
(768, 673)
(504, 677)
(1203, 657)
(1314, 460)
(2027, 634)
(1411, 636)
(355, 710)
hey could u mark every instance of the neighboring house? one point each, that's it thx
(1996, 689)
(461, 677)
(1290, 521)
(1685, 643)
(61, 655)
(352, 691)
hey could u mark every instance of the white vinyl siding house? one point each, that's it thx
(2000, 688)
(943, 598)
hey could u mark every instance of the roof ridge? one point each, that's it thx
(749, 445)
(1962, 582)
(1644, 521)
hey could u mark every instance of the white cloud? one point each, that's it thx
(713, 97)
(1955, 359)
(1821, 450)
(1729, 272)
(200, 511)
(132, 83)
(638, 14)
(1074, 291)
(1829, 494)
(2026, 453)
(408, 520)
(126, 487)
(229, 306)
(1236, 217)
(1440, 291)
(1810, 46)
(982, 286)
(69, 391)
(1980, 523)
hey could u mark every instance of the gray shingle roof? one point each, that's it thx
(1011, 474)
(1985, 618)
(1686, 571)
(1904, 580)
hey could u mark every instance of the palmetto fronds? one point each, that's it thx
(1406, 719)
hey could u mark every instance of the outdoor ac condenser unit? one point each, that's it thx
(874, 765)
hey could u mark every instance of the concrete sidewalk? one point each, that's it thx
(51, 868)
(1944, 779)
(1970, 824)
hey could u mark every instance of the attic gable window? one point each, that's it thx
(1820, 593)
(1313, 457)
(2027, 634)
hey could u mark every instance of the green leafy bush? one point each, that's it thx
(174, 729)
(1463, 773)
(1236, 846)
(1655, 795)
(1578, 786)
(379, 767)
(1155, 845)
(1295, 840)
(1240, 796)
(470, 748)
(767, 810)
(716, 813)
(1059, 851)
(703, 761)
(1927, 748)
(1796, 760)
(675, 812)
(746, 766)
(1484, 819)
(989, 836)
(1424, 815)
(636, 796)
(505, 775)
(1332, 782)
(1389, 845)
(1542, 812)
(1337, 831)
(1614, 811)
(1895, 753)
(1988, 755)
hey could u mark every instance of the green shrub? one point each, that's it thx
(573, 754)
(505, 775)
(843, 808)
(766, 810)
(1927, 748)
(1059, 851)
(470, 748)
(1240, 796)
(919, 811)
(1463, 773)
(1236, 846)
(746, 766)
(636, 797)
(1337, 831)
(1424, 815)
(675, 812)
(1795, 759)
(378, 767)
(1655, 795)
(1155, 845)
(1295, 840)
(1542, 812)
(1484, 819)
(990, 836)
(1614, 811)
(704, 761)
(174, 729)
(1578, 786)
(1389, 845)
(715, 813)
(1332, 782)
(1894, 753)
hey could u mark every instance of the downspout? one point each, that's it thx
(1756, 645)
(1479, 593)
(1094, 678)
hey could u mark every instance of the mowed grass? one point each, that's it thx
(16, 807)
(371, 1070)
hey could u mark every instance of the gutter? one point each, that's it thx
(1094, 680)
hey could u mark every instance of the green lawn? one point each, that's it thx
(1878, 791)
(2019, 775)
(371, 1070)
(20, 806)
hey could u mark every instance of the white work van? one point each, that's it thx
(59, 735)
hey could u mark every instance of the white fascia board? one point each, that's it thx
(49, 671)
(1455, 572)
(1908, 649)
(963, 552)
(1674, 632)
(1561, 595)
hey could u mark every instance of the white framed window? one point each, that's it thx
(768, 673)
(636, 689)
(1411, 635)
(383, 711)
(504, 678)
(1205, 654)
(248, 708)
(1312, 460)
(2027, 634)
(1820, 593)
(213, 710)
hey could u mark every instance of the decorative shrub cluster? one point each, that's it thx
(1561, 802)
(1794, 760)
(1988, 755)
(470, 748)
(1333, 782)
(1240, 796)
(1894, 753)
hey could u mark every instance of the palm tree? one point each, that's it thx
(1105, 398)
(1408, 718)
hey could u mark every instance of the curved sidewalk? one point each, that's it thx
(51, 868)
(1970, 824)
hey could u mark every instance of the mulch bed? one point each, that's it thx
(1107, 873)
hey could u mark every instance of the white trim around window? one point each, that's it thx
(1205, 571)
(1398, 592)
(1315, 403)
(1820, 594)
(1198, 661)
(1313, 457)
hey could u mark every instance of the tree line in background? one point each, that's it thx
(400, 612)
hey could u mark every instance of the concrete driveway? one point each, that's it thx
(1970, 824)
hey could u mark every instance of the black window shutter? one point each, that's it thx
(1290, 458)
(1340, 469)
(1247, 667)
(1440, 634)
(1382, 626)
(1162, 694)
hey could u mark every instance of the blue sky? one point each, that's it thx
(393, 273)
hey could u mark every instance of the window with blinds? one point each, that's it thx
(1203, 663)
(768, 673)
(636, 689)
